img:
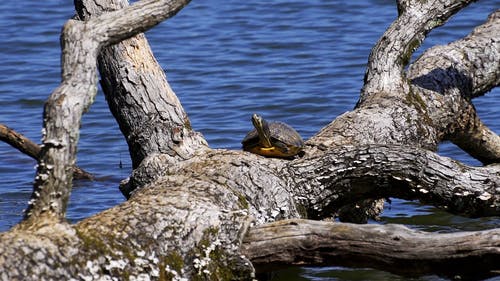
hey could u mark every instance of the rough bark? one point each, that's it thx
(65, 106)
(190, 223)
(448, 77)
(191, 207)
(402, 113)
(139, 95)
(347, 174)
(471, 255)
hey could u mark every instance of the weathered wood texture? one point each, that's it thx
(139, 95)
(437, 105)
(191, 206)
(471, 255)
(65, 106)
(19, 141)
(347, 174)
(448, 77)
(190, 224)
(393, 111)
(385, 75)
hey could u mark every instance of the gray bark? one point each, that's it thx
(191, 207)
(65, 106)
(306, 242)
(139, 95)
(448, 77)
(347, 174)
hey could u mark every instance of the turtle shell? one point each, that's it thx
(286, 142)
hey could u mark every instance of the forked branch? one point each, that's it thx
(448, 77)
(139, 95)
(64, 108)
(384, 73)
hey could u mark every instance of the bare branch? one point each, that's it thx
(393, 51)
(386, 87)
(81, 42)
(187, 221)
(28, 147)
(470, 64)
(392, 248)
(345, 175)
(448, 77)
(478, 140)
(19, 141)
(139, 95)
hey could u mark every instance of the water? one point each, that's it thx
(301, 62)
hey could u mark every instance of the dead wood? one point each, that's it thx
(191, 207)
(28, 147)
(471, 255)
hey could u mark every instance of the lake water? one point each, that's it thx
(301, 62)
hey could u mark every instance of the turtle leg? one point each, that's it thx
(282, 147)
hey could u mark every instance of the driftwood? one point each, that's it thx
(201, 213)
(306, 242)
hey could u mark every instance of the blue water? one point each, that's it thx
(301, 62)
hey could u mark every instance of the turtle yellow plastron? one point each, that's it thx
(272, 139)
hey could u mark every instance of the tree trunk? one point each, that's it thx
(198, 213)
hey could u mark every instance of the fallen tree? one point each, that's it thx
(200, 213)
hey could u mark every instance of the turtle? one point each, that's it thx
(272, 139)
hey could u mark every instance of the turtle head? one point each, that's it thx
(262, 129)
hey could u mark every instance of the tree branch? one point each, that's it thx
(28, 147)
(392, 248)
(449, 76)
(384, 74)
(436, 107)
(325, 183)
(81, 42)
(385, 86)
(19, 141)
(188, 220)
(471, 64)
(138, 94)
(475, 138)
